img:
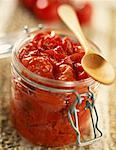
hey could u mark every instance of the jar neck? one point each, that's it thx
(37, 80)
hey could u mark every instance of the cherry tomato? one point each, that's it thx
(82, 75)
(39, 65)
(76, 57)
(54, 54)
(78, 67)
(67, 45)
(47, 9)
(77, 48)
(65, 73)
(38, 37)
(85, 13)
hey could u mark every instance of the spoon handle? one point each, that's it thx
(68, 15)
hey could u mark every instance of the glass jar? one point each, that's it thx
(49, 112)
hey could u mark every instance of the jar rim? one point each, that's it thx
(17, 64)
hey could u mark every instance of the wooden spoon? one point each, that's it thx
(92, 62)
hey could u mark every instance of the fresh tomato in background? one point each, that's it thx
(84, 13)
(47, 9)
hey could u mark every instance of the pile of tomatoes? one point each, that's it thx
(52, 56)
(47, 9)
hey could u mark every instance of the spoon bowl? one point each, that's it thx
(96, 66)
(92, 62)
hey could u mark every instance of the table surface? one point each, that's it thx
(106, 102)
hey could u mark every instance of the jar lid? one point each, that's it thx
(7, 42)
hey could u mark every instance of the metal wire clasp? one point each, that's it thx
(27, 30)
(73, 117)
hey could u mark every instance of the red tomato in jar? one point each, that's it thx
(39, 65)
(65, 73)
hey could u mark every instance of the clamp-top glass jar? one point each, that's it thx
(49, 112)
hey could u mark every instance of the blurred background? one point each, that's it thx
(98, 19)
